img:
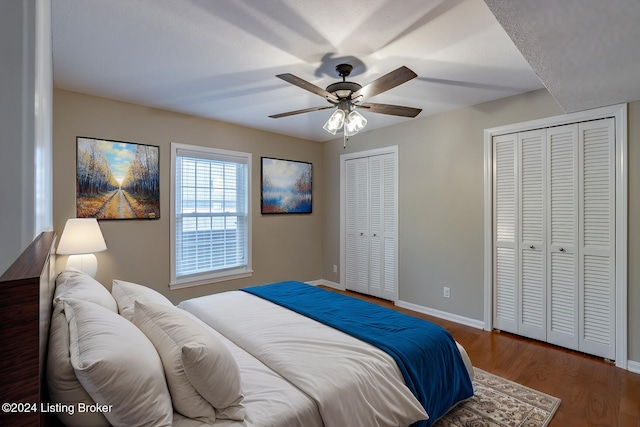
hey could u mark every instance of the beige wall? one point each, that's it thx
(440, 203)
(440, 198)
(284, 246)
(633, 293)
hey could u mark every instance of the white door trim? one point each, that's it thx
(619, 112)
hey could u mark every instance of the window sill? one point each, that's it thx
(209, 279)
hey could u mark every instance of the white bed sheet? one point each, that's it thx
(269, 399)
(352, 382)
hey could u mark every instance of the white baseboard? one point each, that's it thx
(414, 307)
(324, 282)
(314, 282)
(633, 366)
(479, 324)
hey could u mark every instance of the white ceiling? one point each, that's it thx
(587, 52)
(218, 58)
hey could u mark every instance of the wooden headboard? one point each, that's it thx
(26, 292)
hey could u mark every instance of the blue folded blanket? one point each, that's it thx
(426, 353)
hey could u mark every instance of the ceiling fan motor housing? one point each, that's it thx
(343, 90)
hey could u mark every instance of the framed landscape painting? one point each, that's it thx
(117, 180)
(286, 186)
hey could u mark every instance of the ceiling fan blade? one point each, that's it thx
(306, 110)
(386, 82)
(295, 80)
(393, 110)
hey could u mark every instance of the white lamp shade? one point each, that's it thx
(335, 122)
(81, 236)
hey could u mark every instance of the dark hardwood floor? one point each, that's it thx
(594, 392)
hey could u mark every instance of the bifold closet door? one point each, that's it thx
(582, 237)
(519, 215)
(371, 210)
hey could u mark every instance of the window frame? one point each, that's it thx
(212, 276)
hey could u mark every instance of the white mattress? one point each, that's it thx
(350, 382)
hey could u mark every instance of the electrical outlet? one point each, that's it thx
(447, 292)
(335, 268)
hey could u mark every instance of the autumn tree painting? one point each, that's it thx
(117, 180)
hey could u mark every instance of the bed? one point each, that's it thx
(232, 359)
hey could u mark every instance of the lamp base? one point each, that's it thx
(87, 263)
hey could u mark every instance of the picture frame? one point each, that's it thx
(286, 186)
(117, 180)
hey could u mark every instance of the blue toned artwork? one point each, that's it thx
(286, 186)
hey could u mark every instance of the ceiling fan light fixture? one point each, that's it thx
(335, 122)
(348, 95)
(354, 123)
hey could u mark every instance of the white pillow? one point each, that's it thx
(117, 365)
(79, 285)
(127, 293)
(216, 376)
(197, 365)
(63, 384)
(168, 330)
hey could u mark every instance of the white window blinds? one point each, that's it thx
(211, 221)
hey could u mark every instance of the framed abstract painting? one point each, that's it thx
(286, 186)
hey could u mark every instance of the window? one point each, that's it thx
(210, 221)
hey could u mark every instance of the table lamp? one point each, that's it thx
(81, 238)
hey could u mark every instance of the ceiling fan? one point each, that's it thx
(346, 96)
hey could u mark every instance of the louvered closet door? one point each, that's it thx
(357, 225)
(554, 249)
(505, 222)
(382, 226)
(532, 319)
(371, 230)
(597, 238)
(562, 236)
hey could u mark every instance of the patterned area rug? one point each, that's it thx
(501, 403)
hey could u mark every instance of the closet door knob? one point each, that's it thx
(531, 246)
(561, 249)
